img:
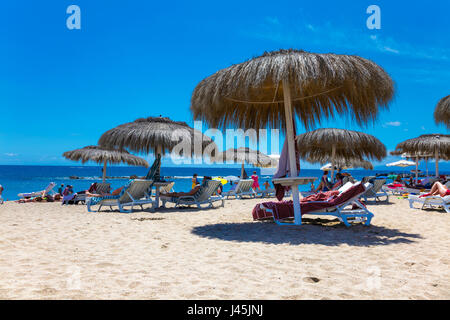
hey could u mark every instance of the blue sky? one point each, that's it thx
(60, 89)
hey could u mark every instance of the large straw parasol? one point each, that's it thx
(245, 155)
(329, 144)
(158, 135)
(104, 156)
(347, 164)
(436, 144)
(442, 111)
(312, 86)
(415, 156)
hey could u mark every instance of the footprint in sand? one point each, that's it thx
(410, 264)
(47, 291)
(311, 279)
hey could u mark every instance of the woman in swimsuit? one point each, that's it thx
(437, 189)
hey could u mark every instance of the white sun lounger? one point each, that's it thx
(203, 196)
(430, 202)
(243, 188)
(362, 214)
(48, 190)
(377, 191)
(101, 188)
(133, 195)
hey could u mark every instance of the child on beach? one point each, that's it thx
(1, 191)
(266, 185)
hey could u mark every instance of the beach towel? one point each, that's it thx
(285, 209)
(283, 169)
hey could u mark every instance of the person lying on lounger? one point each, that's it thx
(47, 198)
(104, 194)
(182, 194)
(438, 189)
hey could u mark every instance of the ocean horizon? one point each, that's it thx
(17, 179)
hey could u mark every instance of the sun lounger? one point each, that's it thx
(164, 189)
(266, 193)
(202, 196)
(280, 211)
(243, 188)
(81, 197)
(48, 190)
(133, 194)
(430, 201)
(376, 192)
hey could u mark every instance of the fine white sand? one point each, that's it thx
(49, 251)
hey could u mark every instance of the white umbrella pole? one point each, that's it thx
(291, 149)
(333, 154)
(436, 155)
(104, 171)
(426, 165)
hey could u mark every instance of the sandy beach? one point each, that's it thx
(49, 251)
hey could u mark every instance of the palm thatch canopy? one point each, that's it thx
(102, 155)
(442, 111)
(436, 144)
(317, 145)
(156, 134)
(427, 144)
(409, 156)
(349, 163)
(247, 155)
(250, 94)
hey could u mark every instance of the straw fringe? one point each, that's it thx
(250, 95)
(316, 146)
(442, 111)
(100, 155)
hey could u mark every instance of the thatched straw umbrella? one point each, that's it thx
(311, 86)
(415, 156)
(245, 155)
(104, 156)
(158, 135)
(329, 144)
(436, 144)
(346, 164)
(442, 111)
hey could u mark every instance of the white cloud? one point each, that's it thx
(329, 35)
(392, 124)
(8, 154)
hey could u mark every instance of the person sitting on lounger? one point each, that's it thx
(182, 194)
(437, 189)
(324, 184)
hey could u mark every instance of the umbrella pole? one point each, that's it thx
(291, 149)
(242, 170)
(426, 165)
(436, 155)
(417, 169)
(104, 171)
(333, 154)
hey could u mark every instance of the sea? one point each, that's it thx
(17, 179)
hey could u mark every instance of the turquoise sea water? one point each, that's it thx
(18, 179)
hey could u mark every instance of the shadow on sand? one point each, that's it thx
(313, 231)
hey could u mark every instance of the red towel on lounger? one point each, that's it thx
(285, 209)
